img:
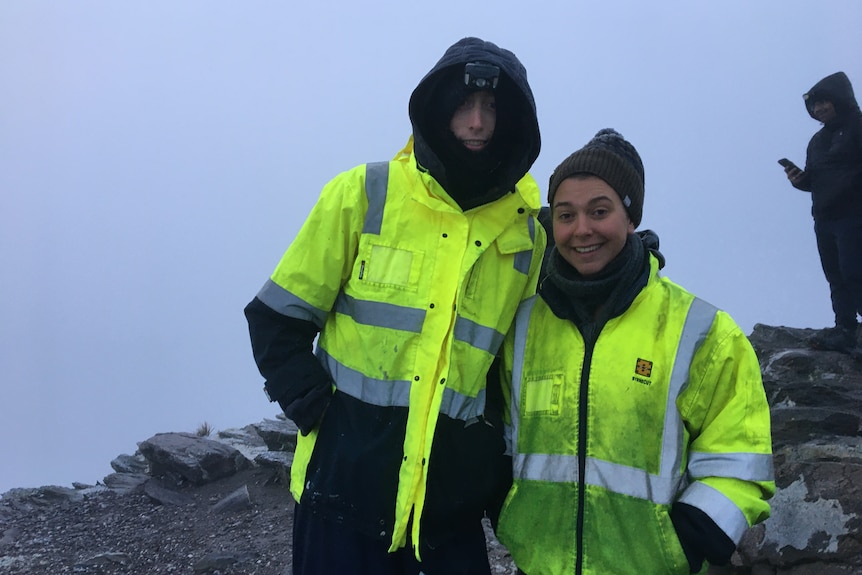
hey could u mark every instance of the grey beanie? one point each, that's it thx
(610, 157)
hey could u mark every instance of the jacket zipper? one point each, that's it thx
(589, 344)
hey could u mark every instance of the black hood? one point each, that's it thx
(517, 131)
(835, 88)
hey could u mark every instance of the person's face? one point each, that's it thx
(474, 121)
(824, 111)
(590, 223)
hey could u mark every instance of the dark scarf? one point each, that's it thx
(470, 178)
(590, 302)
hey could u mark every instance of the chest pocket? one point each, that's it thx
(542, 395)
(515, 241)
(388, 267)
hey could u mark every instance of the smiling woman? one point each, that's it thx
(608, 437)
(590, 224)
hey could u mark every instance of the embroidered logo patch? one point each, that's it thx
(643, 367)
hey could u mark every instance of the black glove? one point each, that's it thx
(306, 410)
(700, 537)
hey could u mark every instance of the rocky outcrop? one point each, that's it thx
(183, 503)
(196, 459)
(816, 403)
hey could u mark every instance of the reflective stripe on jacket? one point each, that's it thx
(668, 405)
(410, 324)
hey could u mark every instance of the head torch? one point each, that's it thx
(481, 76)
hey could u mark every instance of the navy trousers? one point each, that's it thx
(840, 245)
(322, 547)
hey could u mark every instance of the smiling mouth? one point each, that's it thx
(475, 144)
(587, 250)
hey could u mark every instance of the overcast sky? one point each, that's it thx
(156, 158)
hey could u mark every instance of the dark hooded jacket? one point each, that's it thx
(516, 142)
(833, 166)
(467, 471)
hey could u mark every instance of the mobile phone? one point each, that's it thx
(787, 163)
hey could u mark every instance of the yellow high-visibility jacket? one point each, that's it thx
(667, 404)
(413, 297)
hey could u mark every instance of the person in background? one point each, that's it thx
(639, 426)
(833, 175)
(409, 272)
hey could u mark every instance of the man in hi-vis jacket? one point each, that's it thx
(409, 272)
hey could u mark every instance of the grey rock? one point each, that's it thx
(279, 435)
(108, 558)
(816, 400)
(161, 494)
(129, 463)
(275, 459)
(216, 562)
(246, 440)
(44, 496)
(247, 435)
(280, 462)
(195, 459)
(237, 500)
(125, 482)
